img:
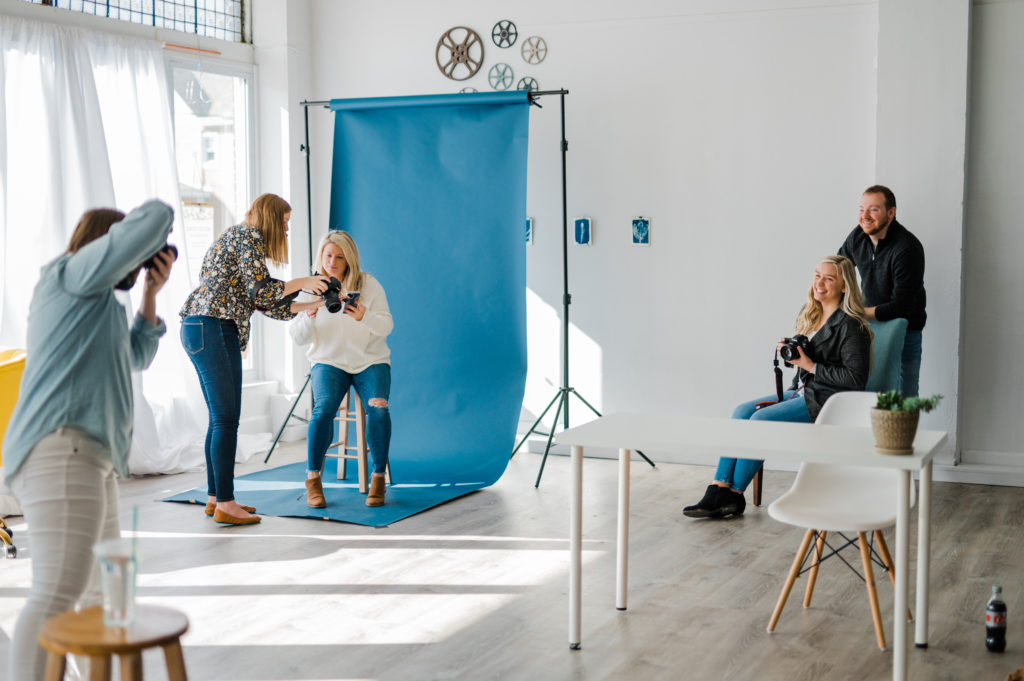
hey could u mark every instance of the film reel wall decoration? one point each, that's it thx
(460, 53)
(534, 49)
(504, 33)
(500, 76)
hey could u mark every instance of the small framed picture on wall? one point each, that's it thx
(641, 231)
(529, 230)
(582, 231)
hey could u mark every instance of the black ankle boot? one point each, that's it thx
(730, 503)
(707, 507)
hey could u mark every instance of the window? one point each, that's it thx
(212, 138)
(212, 18)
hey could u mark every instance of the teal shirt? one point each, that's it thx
(80, 352)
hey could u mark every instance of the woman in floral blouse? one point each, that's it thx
(234, 282)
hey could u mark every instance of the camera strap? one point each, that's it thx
(778, 376)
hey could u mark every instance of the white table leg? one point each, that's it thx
(924, 554)
(622, 542)
(575, 545)
(899, 620)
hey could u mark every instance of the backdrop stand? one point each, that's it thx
(304, 148)
(562, 396)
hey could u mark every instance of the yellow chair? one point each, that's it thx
(12, 365)
(356, 415)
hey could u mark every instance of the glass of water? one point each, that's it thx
(117, 568)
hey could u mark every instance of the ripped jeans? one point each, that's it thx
(329, 387)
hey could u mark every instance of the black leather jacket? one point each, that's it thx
(841, 352)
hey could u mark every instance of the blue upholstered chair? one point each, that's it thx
(887, 356)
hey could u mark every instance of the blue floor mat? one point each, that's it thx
(281, 491)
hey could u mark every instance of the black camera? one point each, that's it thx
(331, 300)
(167, 248)
(789, 346)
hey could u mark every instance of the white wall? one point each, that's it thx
(745, 129)
(993, 382)
(921, 155)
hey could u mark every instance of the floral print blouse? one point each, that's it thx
(235, 281)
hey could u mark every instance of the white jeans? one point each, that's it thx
(67, 490)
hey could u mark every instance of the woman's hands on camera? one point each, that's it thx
(803, 361)
(316, 284)
(156, 277)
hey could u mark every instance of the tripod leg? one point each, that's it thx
(562, 402)
(287, 418)
(534, 426)
(573, 390)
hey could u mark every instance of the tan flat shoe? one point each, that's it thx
(211, 507)
(225, 519)
(375, 497)
(315, 493)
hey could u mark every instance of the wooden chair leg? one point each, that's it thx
(869, 580)
(343, 438)
(363, 460)
(812, 575)
(55, 666)
(890, 566)
(175, 662)
(99, 668)
(758, 481)
(788, 586)
(131, 666)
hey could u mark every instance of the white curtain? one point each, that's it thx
(85, 122)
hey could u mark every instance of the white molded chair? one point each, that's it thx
(843, 500)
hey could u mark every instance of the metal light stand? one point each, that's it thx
(304, 148)
(562, 396)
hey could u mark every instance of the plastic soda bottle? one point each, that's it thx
(995, 621)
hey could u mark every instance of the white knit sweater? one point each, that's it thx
(339, 340)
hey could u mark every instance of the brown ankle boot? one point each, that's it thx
(315, 493)
(376, 495)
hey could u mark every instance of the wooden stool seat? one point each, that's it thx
(83, 633)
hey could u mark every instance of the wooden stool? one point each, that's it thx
(361, 456)
(83, 633)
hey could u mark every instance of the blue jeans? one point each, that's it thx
(737, 473)
(330, 385)
(212, 345)
(910, 371)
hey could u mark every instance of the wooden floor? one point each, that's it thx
(477, 588)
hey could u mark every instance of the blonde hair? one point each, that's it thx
(851, 301)
(352, 277)
(267, 215)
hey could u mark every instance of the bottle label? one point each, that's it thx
(995, 619)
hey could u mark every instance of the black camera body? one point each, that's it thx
(789, 348)
(167, 248)
(331, 300)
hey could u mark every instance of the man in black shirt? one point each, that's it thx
(890, 261)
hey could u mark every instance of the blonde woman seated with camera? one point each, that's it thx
(836, 356)
(347, 347)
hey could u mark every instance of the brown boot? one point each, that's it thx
(376, 495)
(315, 493)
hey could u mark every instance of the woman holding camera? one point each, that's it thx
(234, 283)
(347, 349)
(836, 357)
(72, 427)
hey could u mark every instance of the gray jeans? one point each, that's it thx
(68, 493)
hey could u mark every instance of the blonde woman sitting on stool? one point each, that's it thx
(347, 348)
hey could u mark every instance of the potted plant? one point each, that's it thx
(894, 420)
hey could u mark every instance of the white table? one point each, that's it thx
(772, 441)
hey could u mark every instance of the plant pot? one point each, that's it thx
(894, 430)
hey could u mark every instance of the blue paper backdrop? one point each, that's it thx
(433, 189)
